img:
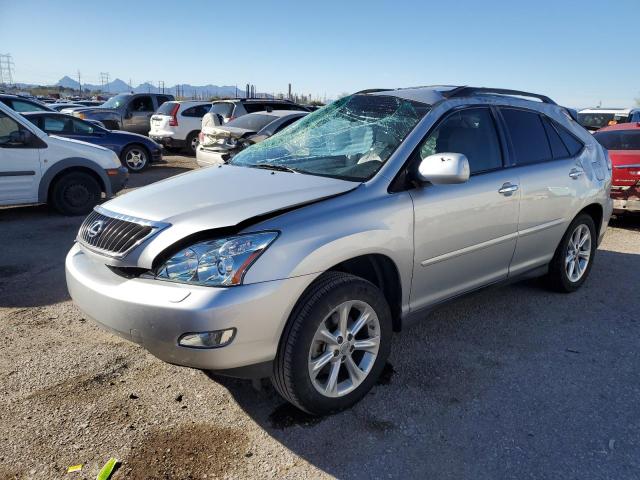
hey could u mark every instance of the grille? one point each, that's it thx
(113, 234)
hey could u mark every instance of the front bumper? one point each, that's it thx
(155, 313)
(119, 179)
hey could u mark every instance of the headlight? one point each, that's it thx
(216, 263)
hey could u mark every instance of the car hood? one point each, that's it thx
(130, 135)
(224, 196)
(90, 110)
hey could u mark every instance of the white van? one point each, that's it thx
(38, 168)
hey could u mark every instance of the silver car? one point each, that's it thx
(300, 258)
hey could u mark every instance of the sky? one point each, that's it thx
(580, 53)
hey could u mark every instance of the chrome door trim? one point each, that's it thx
(631, 165)
(470, 249)
(492, 242)
(539, 228)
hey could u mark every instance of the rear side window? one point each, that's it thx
(198, 111)
(619, 139)
(558, 149)
(8, 126)
(22, 106)
(56, 124)
(166, 108)
(572, 143)
(528, 136)
(471, 132)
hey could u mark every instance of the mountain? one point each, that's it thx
(186, 90)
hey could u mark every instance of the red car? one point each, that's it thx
(623, 143)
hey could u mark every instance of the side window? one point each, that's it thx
(142, 104)
(471, 132)
(286, 123)
(8, 126)
(572, 143)
(528, 136)
(161, 99)
(82, 128)
(190, 112)
(22, 106)
(198, 111)
(56, 124)
(254, 107)
(558, 148)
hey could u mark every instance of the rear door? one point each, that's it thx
(546, 159)
(464, 234)
(20, 170)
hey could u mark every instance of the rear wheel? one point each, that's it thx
(573, 258)
(135, 158)
(75, 193)
(192, 143)
(335, 344)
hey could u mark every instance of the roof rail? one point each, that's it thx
(468, 91)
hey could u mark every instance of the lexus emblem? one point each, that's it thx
(95, 229)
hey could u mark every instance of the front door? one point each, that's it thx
(19, 165)
(140, 110)
(464, 234)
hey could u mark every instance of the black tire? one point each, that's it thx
(291, 375)
(558, 277)
(135, 157)
(189, 146)
(75, 193)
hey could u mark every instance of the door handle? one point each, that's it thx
(575, 173)
(507, 189)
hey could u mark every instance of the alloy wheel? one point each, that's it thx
(578, 253)
(136, 159)
(344, 348)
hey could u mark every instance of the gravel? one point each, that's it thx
(511, 382)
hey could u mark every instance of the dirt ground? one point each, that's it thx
(512, 382)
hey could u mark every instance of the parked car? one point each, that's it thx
(234, 108)
(299, 258)
(595, 118)
(37, 168)
(135, 151)
(623, 143)
(22, 104)
(176, 125)
(58, 107)
(219, 144)
(127, 111)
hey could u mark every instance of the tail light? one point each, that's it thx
(174, 112)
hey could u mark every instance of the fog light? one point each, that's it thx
(215, 339)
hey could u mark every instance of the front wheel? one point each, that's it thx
(135, 158)
(335, 344)
(75, 193)
(573, 258)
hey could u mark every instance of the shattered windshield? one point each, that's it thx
(349, 139)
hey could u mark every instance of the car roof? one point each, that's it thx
(279, 113)
(432, 94)
(621, 126)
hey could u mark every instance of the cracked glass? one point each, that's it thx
(349, 139)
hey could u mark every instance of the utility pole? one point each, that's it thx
(6, 69)
(160, 86)
(289, 97)
(79, 83)
(104, 81)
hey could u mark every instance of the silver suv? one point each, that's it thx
(300, 258)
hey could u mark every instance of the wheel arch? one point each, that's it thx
(596, 212)
(68, 165)
(382, 271)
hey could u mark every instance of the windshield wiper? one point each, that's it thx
(279, 168)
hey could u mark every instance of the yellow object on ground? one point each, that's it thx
(107, 470)
(74, 468)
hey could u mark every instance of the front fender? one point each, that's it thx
(313, 239)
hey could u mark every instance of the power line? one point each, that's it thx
(6, 69)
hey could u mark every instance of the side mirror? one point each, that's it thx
(444, 168)
(19, 137)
